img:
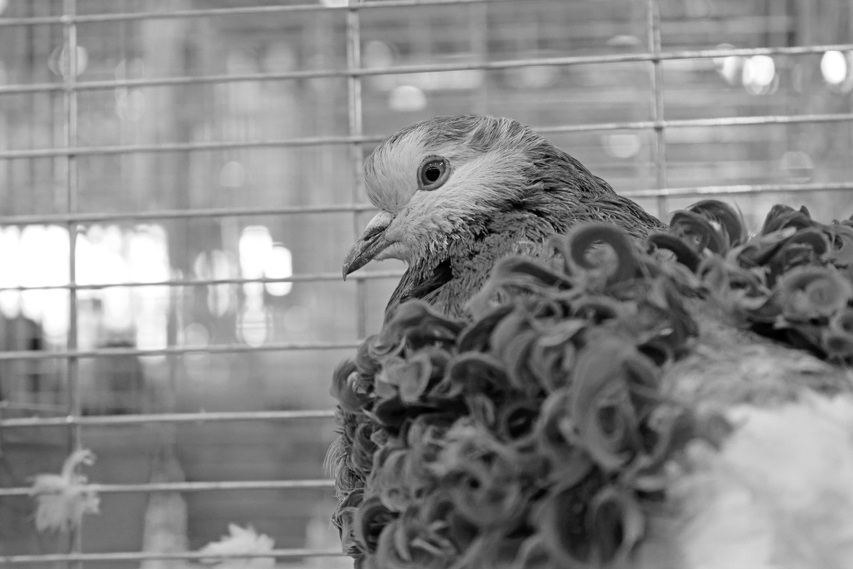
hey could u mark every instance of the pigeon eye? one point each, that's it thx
(433, 173)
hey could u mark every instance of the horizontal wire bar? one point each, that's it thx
(759, 120)
(628, 125)
(244, 11)
(309, 277)
(173, 418)
(216, 349)
(738, 189)
(687, 123)
(226, 212)
(141, 556)
(63, 218)
(188, 146)
(426, 68)
(188, 486)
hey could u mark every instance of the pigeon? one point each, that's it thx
(562, 380)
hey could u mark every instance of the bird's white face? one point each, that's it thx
(431, 194)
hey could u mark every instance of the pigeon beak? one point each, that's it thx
(370, 244)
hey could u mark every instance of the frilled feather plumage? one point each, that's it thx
(617, 397)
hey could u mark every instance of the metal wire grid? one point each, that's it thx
(354, 140)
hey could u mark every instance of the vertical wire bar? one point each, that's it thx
(71, 135)
(659, 145)
(478, 28)
(354, 112)
(845, 35)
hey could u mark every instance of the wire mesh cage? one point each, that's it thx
(179, 181)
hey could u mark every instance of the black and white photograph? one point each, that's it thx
(426, 284)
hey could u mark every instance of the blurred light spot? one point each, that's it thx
(10, 300)
(110, 236)
(148, 260)
(729, 67)
(201, 266)
(759, 74)
(254, 247)
(104, 256)
(55, 315)
(106, 263)
(722, 46)
(58, 61)
(378, 54)
(232, 175)
(148, 255)
(759, 69)
(3, 5)
(253, 325)
(407, 98)
(88, 266)
(44, 262)
(117, 306)
(39, 257)
(279, 265)
(833, 66)
(334, 3)
(217, 265)
(622, 145)
(55, 310)
(130, 105)
(798, 165)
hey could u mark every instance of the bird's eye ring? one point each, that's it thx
(433, 172)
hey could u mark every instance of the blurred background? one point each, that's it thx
(180, 180)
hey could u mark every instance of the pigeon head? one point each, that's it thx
(437, 181)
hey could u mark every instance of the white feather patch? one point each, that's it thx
(778, 495)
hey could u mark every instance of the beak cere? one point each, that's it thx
(372, 242)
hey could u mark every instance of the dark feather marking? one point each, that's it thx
(412, 287)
